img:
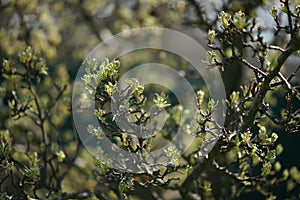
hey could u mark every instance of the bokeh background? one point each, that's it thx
(66, 31)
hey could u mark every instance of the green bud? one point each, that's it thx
(239, 20)
(274, 12)
(200, 96)
(298, 10)
(224, 19)
(11, 104)
(100, 115)
(172, 153)
(135, 86)
(211, 35)
(30, 136)
(247, 183)
(283, 8)
(256, 160)
(34, 159)
(290, 185)
(41, 68)
(7, 65)
(5, 136)
(116, 140)
(295, 174)
(266, 170)
(279, 149)
(96, 131)
(246, 136)
(103, 167)
(274, 137)
(161, 100)
(32, 172)
(122, 186)
(262, 133)
(285, 174)
(27, 55)
(42, 147)
(271, 197)
(207, 186)
(60, 156)
(54, 148)
(271, 156)
(110, 88)
(149, 140)
(8, 167)
(234, 97)
(211, 57)
(211, 105)
(277, 166)
(2, 92)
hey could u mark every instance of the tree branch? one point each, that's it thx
(250, 118)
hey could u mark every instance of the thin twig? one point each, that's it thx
(245, 62)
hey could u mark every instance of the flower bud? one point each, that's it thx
(239, 20)
(211, 35)
(211, 56)
(274, 12)
(298, 10)
(283, 8)
(224, 19)
(60, 156)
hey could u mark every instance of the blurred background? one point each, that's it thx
(66, 31)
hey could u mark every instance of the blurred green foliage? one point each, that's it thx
(42, 44)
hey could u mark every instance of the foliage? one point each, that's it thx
(40, 152)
